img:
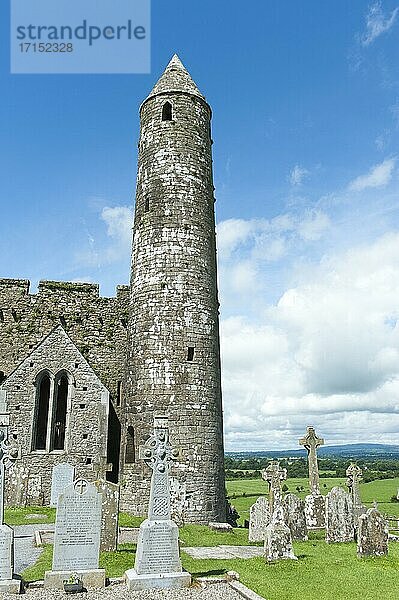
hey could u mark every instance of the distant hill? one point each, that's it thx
(349, 450)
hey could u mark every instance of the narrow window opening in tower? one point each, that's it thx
(42, 406)
(190, 353)
(167, 112)
(2, 376)
(119, 393)
(60, 412)
(62, 321)
(130, 453)
(147, 205)
(1, 316)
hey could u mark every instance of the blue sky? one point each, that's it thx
(305, 97)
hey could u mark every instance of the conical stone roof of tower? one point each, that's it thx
(175, 78)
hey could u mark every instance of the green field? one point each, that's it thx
(325, 572)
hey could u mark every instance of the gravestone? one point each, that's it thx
(109, 514)
(77, 537)
(178, 499)
(294, 511)
(278, 541)
(157, 563)
(315, 502)
(63, 476)
(354, 476)
(274, 475)
(7, 456)
(339, 516)
(372, 534)
(259, 519)
(17, 485)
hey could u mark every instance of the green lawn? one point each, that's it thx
(325, 572)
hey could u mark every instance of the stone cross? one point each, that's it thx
(311, 442)
(274, 475)
(158, 454)
(7, 454)
(101, 467)
(157, 562)
(354, 475)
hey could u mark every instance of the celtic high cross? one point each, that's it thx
(274, 474)
(311, 442)
(354, 475)
(7, 455)
(158, 453)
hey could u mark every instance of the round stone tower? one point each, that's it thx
(173, 366)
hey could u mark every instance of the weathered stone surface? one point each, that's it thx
(274, 475)
(86, 425)
(174, 359)
(6, 552)
(339, 516)
(259, 518)
(294, 511)
(372, 534)
(278, 541)
(109, 514)
(63, 476)
(10, 586)
(354, 477)
(17, 485)
(157, 562)
(77, 528)
(311, 442)
(315, 511)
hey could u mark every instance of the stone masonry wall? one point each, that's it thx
(87, 414)
(96, 325)
(174, 305)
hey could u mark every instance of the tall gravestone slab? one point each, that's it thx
(278, 540)
(157, 563)
(294, 510)
(315, 511)
(372, 534)
(63, 476)
(339, 516)
(77, 537)
(109, 514)
(7, 583)
(259, 519)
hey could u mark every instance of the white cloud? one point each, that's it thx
(297, 175)
(377, 23)
(378, 176)
(326, 353)
(119, 221)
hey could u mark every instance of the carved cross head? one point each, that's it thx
(274, 473)
(157, 451)
(354, 474)
(310, 441)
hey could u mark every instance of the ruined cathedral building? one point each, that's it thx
(84, 375)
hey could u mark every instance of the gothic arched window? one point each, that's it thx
(167, 112)
(59, 412)
(50, 416)
(42, 409)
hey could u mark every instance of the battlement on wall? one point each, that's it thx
(21, 287)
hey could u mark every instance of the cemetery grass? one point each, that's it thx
(18, 515)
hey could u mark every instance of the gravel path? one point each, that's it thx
(119, 592)
(25, 551)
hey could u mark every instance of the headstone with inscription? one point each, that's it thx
(259, 519)
(157, 563)
(109, 514)
(339, 516)
(63, 476)
(77, 537)
(7, 456)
